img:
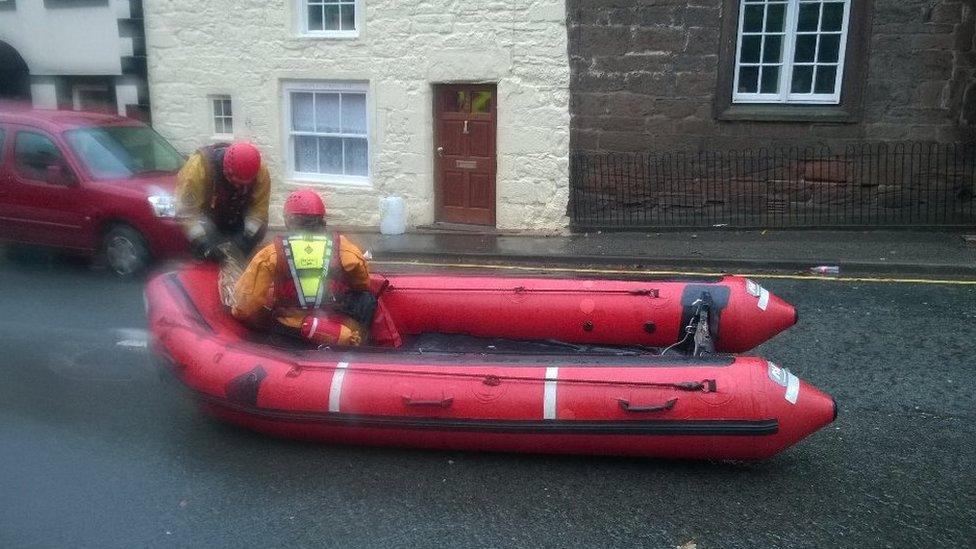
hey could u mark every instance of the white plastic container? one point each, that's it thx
(393, 215)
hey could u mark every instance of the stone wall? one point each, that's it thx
(248, 49)
(645, 75)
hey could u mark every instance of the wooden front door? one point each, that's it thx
(464, 149)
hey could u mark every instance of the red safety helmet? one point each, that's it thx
(242, 161)
(304, 202)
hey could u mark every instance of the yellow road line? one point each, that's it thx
(803, 277)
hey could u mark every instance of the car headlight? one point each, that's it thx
(163, 205)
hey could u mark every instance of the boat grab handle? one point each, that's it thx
(626, 406)
(439, 403)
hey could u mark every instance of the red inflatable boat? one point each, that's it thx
(477, 394)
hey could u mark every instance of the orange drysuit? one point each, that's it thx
(256, 301)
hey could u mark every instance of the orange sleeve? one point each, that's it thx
(354, 265)
(252, 293)
(192, 195)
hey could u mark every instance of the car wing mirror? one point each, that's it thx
(57, 174)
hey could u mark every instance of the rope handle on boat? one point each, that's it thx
(436, 403)
(653, 293)
(626, 406)
(493, 380)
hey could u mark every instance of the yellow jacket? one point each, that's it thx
(194, 193)
(254, 295)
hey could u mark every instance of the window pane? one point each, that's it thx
(327, 113)
(218, 107)
(750, 49)
(306, 157)
(481, 103)
(825, 79)
(806, 45)
(802, 79)
(775, 17)
(33, 153)
(315, 18)
(302, 117)
(773, 49)
(227, 111)
(356, 158)
(829, 47)
(461, 101)
(809, 14)
(770, 79)
(330, 155)
(833, 16)
(332, 17)
(348, 12)
(753, 19)
(354, 113)
(748, 79)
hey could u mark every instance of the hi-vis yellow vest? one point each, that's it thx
(309, 258)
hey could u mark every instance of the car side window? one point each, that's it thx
(33, 153)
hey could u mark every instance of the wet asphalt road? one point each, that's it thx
(96, 451)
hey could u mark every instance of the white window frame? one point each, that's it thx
(289, 134)
(786, 63)
(212, 99)
(303, 29)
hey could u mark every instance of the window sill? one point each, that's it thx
(342, 35)
(753, 112)
(222, 137)
(299, 180)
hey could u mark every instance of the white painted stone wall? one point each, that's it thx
(248, 48)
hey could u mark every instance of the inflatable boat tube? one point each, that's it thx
(609, 312)
(601, 401)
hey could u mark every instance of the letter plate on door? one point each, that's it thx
(466, 164)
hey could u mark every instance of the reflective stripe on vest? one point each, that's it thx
(309, 258)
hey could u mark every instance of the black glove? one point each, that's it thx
(207, 249)
(244, 243)
(360, 305)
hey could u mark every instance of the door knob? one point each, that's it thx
(440, 151)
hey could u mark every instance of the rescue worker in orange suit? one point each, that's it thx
(309, 284)
(222, 199)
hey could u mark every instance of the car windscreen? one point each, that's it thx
(119, 152)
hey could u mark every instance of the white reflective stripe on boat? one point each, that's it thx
(792, 388)
(335, 392)
(763, 299)
(549, 402)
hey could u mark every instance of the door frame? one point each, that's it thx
(438, 195)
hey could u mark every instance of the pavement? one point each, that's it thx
(881, 253)
(97, 451)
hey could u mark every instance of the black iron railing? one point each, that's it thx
(865, 185)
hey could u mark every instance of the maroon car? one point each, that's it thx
(91, 183)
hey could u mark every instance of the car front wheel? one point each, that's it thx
(125, 251)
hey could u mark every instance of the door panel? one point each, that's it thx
(480, 189)
(7, 226)
(454, 189)
(43, 212)
(465, 153)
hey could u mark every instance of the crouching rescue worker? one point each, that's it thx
(310, 284)
(222, 199)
